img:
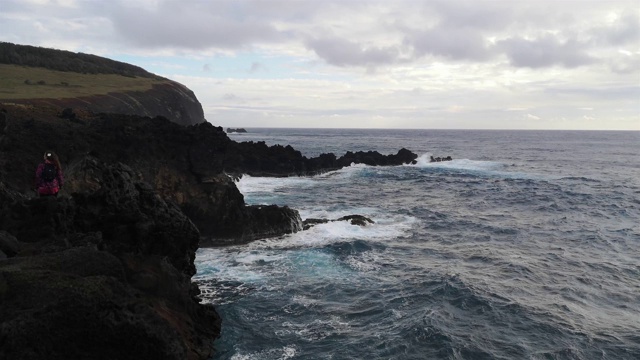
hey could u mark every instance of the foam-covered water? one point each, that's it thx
(525, 246)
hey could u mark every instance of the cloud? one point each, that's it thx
(478, 15)
(531, 61)
(191, 25)
(231, 97)
(624, 30)
(625, 63)
(453, 43)
(545, 51)
(342, 52)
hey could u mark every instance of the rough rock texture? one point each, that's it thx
(258, 159)
(103, 271)
(184, 165)
(358, 220)
(100, 275)
(171, 100)
(187, 165)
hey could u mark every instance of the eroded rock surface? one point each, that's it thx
(101, 275)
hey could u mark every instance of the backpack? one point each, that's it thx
(49, 172)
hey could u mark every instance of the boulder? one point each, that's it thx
(9, 245)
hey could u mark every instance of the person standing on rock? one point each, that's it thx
(49, 177)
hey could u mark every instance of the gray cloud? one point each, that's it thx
(626, 64)
(368, 34)
(453, 43)
(622, 32)
(192, 25)
(341, 52)
(479, 15)
(544, 52)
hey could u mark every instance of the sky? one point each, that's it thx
(412, 64)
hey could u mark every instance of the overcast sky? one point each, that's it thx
(478, 64)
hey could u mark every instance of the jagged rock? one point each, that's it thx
(439, 159)
(374, 158)
(238, 130)
(358, 220)
(258, 159)
(190, 166)
(171, 100)
(103, 274)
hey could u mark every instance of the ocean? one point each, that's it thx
(525, 246)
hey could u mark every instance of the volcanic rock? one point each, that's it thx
(101, 275)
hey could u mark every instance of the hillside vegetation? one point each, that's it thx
(30, 72)
(22, 82)
(60, 60)
(36, 76)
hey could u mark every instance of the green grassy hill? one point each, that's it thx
(22, 82)
(38, 77)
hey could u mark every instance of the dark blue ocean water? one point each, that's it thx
(525, 246)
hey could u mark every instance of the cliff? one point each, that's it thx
(39, 76)
(104, 270)
(102, 274)
(189, 166)
(168, 99)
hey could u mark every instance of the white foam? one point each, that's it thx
(249, 184)
(365, 262)
(305, 301)
(461, 164)
(490, 168)
(318, 329)
(225, 264)
(385, 228)
(286, 352)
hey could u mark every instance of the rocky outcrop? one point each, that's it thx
(104, 270)
(189, 166)
(238, 130)
(92, 83)
(440, 159)
(358, 220)
(184, 165)
(102, 274)
(258, 159)
(168, 99)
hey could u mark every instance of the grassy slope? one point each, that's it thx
(12, 83)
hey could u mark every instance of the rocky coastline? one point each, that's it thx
(104, 270)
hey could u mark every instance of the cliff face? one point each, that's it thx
(168, 99)
(184, 165)
(101, 274)
(104, 270)
(39, 76)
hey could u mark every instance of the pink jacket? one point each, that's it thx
(48, 188)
